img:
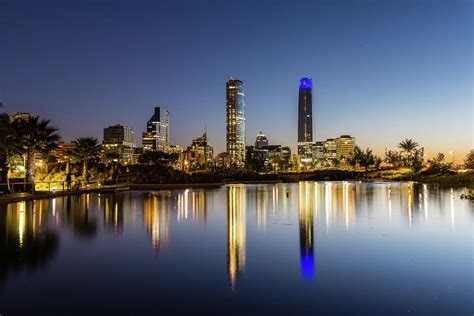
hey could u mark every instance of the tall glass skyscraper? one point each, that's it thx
(235, 136)
(305, 111)
(157, 135)
(305, 120)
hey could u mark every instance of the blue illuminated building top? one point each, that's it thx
(306, 84)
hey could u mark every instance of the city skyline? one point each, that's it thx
(410, 82)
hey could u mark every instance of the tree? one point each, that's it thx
(393, 158)
(34, 136)
(158, 158)
(364, 159)
(8, 146)
(469, 160)
(416, 159)
(85, 150)
(408, 146)
(437, 164)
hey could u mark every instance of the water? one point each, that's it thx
(313, 247)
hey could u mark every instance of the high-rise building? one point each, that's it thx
(157, 135)
(330, 148)
(305, 121)
(261, 141)
(198, 155)
(305, 111)
(119, 143)
(235, 136)
(345, 145)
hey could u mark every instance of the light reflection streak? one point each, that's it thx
(21, 222)
(425, 201)
(390, 203)
(452, 208)
(236, 231)
(306, 230)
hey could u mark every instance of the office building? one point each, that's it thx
(199, 155)
(261, 141)
(157, 135)
(345, 145)
(305, 121)
(235, 134)
(118, 144)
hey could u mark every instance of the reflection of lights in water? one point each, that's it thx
(328, 198)
(390, 203)
(53, 206)
(275, 197)
(262, 202)
(452, 208)
(316, 191)
(156, 221)
(186, 203)
(305, 215)
(236, 230)
(116, 215)
(410, 214)
(21, 222)
(425, 201)
(345, 189)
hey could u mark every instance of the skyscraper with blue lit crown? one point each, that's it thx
(305, 121)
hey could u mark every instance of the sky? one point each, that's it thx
(382, 71)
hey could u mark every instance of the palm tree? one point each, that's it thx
(408, 145)
(34, 135)
(86, 148)
(7, 146)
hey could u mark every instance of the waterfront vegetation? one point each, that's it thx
(27, 146)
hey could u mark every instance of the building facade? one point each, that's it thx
(305, 121)
(261, 141)
(199, 155)
(157, 135)
(235, 127)
(345, 145)
(118, 144)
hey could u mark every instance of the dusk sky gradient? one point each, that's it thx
(382, 70)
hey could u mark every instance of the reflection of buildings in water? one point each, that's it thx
(113, 215)
(79, 216)
(305, 215)
(236, 229)
(274, 198)
(262, 206)
(337, 200)
(26, 240)
(156, 219)
(194, 202)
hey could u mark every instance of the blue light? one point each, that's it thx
(306, 83)
(307, 266)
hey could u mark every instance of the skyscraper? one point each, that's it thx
(157, 135)
(235, 136)
(119, 140)
(261, 141)
(305, 121)
(305, 111)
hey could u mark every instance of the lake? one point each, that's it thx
(288, 248)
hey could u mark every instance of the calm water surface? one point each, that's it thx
(312, 248)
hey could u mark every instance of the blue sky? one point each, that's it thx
(382, 70)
